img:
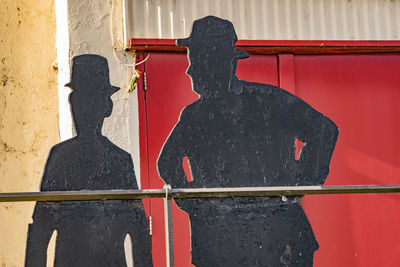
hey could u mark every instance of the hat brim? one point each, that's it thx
(113, 89)
(239, 54)
(184, 42)
(109, 89)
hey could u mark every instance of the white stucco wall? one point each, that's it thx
(89, 27)
(90, 33)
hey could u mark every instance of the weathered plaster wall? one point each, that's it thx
(90, 33)
(28, 112)
(29, 119)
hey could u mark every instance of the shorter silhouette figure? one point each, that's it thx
(89, 233)
(242, 134)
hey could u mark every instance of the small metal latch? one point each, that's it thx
(151, 225)
(145, 81)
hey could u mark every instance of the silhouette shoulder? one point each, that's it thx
(62, 149)
(189, 110)
(267, 89)
(278, 97)
(117, 150)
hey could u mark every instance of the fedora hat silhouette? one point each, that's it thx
(211, 32)
(89, 70)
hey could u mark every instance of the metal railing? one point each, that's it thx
(197, 192)
(168, 194)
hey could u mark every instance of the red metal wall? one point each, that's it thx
(361, 94)
(358, 92)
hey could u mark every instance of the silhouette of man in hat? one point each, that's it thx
(242, 134)
(89, 233)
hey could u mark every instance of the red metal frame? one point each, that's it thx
(278, 46)
(286, 72)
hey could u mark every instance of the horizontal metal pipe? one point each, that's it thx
(197, 192)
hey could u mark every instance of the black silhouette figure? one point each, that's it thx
(242, 134)
(89, 233)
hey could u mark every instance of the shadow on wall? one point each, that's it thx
(89, 233)
(243, 134)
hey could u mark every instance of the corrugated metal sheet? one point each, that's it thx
(269, 19)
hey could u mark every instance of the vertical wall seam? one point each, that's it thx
(63, 60)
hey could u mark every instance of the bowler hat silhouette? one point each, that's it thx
(211, 32)
(89, 70)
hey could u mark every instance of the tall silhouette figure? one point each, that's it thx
(242, 134)
(89, 233)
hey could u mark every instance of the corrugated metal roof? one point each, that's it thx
(269, 19)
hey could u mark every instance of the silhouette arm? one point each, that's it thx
(127, 173)
(319, 134)
(43, 226)
(140, 235)
(169, 163)
(39, 234)
(53, 176)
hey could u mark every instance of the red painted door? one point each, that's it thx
(361, 94)
(358, 92)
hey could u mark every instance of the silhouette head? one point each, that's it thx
(212, 51)
(91, 93)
